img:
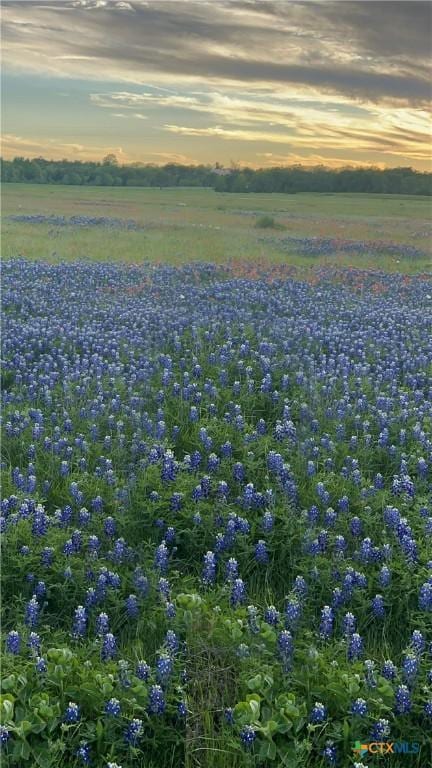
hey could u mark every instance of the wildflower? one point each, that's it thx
(13, 642)
(156, 704)
(72, 713)
(112, 708)
(318, 713)
(133, 732)
(247, 736)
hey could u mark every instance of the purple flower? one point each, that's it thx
(247, 736)
(238, 593)
(133, 732)
(72, 713)
(359, 708)
(326, 623)
(318, 713)
(112, 708)
(402, 700)
(355, 647)
(380, 730)
(32, 612)
(156, 704)
(109, 647)
(13, 642)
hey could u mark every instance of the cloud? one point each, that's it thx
(313, 77)
(55, 149)
(364, 50)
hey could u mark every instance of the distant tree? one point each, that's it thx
(110, 159)
(290, 180)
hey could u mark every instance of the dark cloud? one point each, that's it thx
(363, 50)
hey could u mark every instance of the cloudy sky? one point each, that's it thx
(257, 82)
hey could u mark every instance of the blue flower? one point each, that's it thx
(109, 647)
(355, 647)
(380, 730)
(238, 593)
(72, 713)
(247, 736)
(156, 705)
(402, 700)
(359, 708)
(112, 708)
(133, 732)
(318, 713)
(13, 642)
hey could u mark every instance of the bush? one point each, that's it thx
(265, 222)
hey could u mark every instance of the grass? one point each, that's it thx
(183, 225)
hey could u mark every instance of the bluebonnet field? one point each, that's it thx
(216, 515)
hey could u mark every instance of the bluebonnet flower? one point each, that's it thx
(229, 715)
(355, 647)
(380, 730)
(143, 670)
(359, 708)
(271, 616)
(286, 648)
(4, 736)
(329, 753)
(109, 647)
(161, 558)
(318, 713)
(132, 608)
(418, 642)
(34, 643)
(427, 709)
(182, 709)
(238, 592)
(133, 732)
(326, 623)
(83, 753)
(80, 622)
(72, 713)
(247, 736)
(13, 642)
(164, 668)
(112, 708)
(253, 619)
(156, 704)
(378, 608)
(102, 624)
(402, 700)
(425, 597)
(293, 611)
(47, 555)
(410, 666)
(261, 554)
(32, 612)
(389, 670)
(208, 575)
(41, 665)
(171, 641)
(267, 522)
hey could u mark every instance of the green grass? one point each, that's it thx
(183, 225)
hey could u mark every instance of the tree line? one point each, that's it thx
(108, 172)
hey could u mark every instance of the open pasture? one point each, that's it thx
(177, 226)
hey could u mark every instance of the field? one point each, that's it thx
(183, 225)
(216, 459)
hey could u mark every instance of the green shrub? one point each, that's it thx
(265, 222)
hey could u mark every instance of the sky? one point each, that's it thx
(252, 82)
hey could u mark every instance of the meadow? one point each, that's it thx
(216, 501)
(183, 225)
